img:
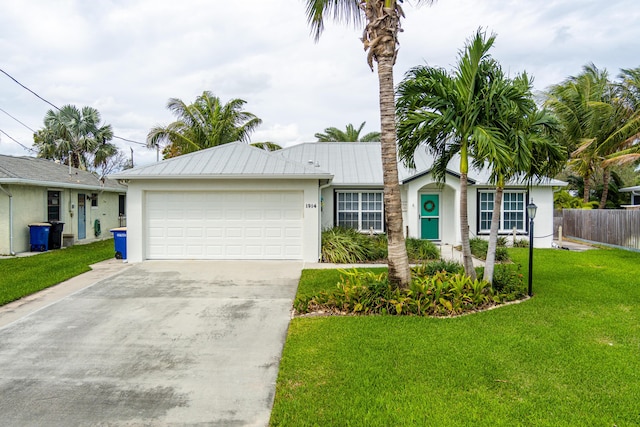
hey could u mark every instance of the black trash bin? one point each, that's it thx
(55, 234)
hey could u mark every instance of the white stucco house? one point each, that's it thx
(239, 202)
(635, 196)
(36, 190)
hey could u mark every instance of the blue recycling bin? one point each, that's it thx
(39, 236)
(120, 242)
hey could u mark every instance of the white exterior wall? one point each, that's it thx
(30, 206)
(136, 196)
(449, 206)
(328, 208)
(543, 222)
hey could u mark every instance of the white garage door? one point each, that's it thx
(224, 225)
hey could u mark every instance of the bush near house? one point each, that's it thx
(437, 289)
(348, 246)
(480, 246)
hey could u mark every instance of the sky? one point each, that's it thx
(126, 58)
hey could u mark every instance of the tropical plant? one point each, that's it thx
(267, 146)
(346, 246)
(533, 153)
(452, 114)
(206, 123)
(442, 293)
(380, 39)
(77, 137)
(480, 250)
(351, 134)
(600, 122)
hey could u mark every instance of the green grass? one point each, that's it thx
(26, 275)
(570, 356)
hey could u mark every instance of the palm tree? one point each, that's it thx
(75, 136)
(204, 124)
(267, 146)
(599, 122)
(534, 152)
(451, 114)
(380, 39)
(350, 135)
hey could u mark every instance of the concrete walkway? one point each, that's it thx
(157, 343)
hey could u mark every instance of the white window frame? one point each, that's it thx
(359, 211)
(503, 212)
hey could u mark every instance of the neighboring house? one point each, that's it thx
(37, 190)
(238, 202)
(635, 195)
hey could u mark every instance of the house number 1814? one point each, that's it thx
(311, 205)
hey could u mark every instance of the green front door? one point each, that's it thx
(430, 216)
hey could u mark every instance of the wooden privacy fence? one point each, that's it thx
(613, 227)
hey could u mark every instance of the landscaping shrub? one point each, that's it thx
(480, 246)
(508, 281)
(421, 250)
(433, 267)
(521, 243)
(346, 246)
(438, 294)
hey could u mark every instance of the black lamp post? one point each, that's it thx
(531, 212)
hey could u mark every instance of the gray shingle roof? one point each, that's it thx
(40, 172)
(234, 160)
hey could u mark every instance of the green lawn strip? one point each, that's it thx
(24, 276)
(567, 357)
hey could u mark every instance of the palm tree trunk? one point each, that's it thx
(467, 258)
(606, 176)
(490, 262)
(586, 185)
(399, 271)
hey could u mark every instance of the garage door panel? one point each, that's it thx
(224, 225)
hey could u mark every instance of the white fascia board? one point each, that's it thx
(56, 184)
(205, 177)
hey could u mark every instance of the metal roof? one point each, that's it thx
(234, 160)
(26, 170)
(351, 163)
(360, 164)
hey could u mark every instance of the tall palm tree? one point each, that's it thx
(204, 124)
(533, 149)
(75, 136)
(351, 134)
(380, 39)
(452, 114)
(598, 121)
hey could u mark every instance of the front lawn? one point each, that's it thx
(569, 356)
(24, 276)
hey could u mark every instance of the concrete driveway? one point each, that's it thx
(159, 343)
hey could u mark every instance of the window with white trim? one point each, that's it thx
(512, 214)
(360, 210)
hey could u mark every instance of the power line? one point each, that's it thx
(11, 77)
(129, 140)
(54, 106)
(17, 120)
(31, 150)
